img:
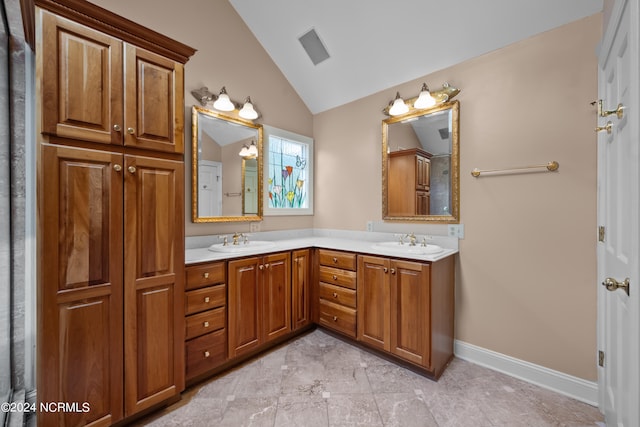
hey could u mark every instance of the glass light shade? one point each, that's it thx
(244, 152)
(425, 100)
(253, 150)
(398, 107)
(247, 111)
(223, 103)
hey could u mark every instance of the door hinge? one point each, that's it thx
(600, 358)
(601, 233)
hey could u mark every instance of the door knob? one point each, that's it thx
(612, 284)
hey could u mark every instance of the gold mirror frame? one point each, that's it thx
(194, 168)
(454, 217)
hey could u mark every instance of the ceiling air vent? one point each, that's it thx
(444, 133)
(313, 46)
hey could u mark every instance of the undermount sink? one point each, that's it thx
(241, 247)
(406, 248)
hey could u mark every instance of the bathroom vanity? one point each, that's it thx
(397, 301)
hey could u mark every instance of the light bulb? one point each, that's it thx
(247, 111)
(425, 100)
(399, 106)
(223, 103)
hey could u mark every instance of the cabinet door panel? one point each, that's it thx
(80, 284)
(373, 300)
(245, 310)
(154, 117)
(81, 74)
(154, 273)
(410, 321)
(301, 288)
(276, 301)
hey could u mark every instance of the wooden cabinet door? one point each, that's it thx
(373, 301)
(154, 110)
(154, 274)
(422, 203)
(422, 172)
(80, 284)
(81, 74)
(276, 296)
(244, 308)
(410, 306)
(301, 288)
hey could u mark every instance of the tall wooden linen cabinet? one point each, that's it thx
(110, 214)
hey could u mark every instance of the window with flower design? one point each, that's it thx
(288, 173)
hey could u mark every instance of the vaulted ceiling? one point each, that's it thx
(377, 44)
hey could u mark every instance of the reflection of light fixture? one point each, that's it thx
(247, 111)
(425, 100)
(223, 103)
(399, 106)
(250, 152)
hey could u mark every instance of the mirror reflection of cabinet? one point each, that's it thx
(409, 182)
(420, 165)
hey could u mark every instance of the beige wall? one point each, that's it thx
(526, 279)
(228, 55)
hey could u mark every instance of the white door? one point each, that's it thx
(250, 190)
(618, 201)
(209, 188)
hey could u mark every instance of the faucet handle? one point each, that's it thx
(224, 239)
(401, 237)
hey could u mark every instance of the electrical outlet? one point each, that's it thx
(254, 227)
(369, 225)
(456, 230)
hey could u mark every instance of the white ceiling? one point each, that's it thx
(376, 44)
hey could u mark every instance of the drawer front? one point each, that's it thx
(205, 299)
(205, 322)
(338, 294)
(203, 275)
(336, 276)
(337, 317)
(206, 352)
(337, 259)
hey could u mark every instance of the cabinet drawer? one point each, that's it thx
(206, 352)
(336, 276)
(338, 259)
(338, 294)
(340, 318)
(204, 275)
(205, 299)
(205, 322)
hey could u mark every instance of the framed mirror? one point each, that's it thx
(226, 168)
(421, 165)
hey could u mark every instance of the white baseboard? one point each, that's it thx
(577, 388)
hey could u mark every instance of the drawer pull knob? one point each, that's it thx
(206, 299)
(206, 324)
(131, 131)
(335, 318)
(335, 277)
(205, 275)
(335, 295)
(335, 260)
(207, 354)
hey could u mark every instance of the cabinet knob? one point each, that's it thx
(385, 269)
(206, 299)
(132, 169)
(261, 267)
(335, 260)
(335, 318)
(335, 277)
(131, 131)
(335, 295)
(205, 275)
(207, 354)
(266, 265)
(117, 128)
(117, 167)
(205, 324)
(393, 271)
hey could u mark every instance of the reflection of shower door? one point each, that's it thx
(209, 188)
(250, 190)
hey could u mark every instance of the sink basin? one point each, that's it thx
(408, 249)
(241, 247)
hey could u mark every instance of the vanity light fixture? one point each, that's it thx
(247, 111)
(426, 99)
(222, 102)
(399, 106)
(250, 152)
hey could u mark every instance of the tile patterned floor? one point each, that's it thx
(318, 380)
